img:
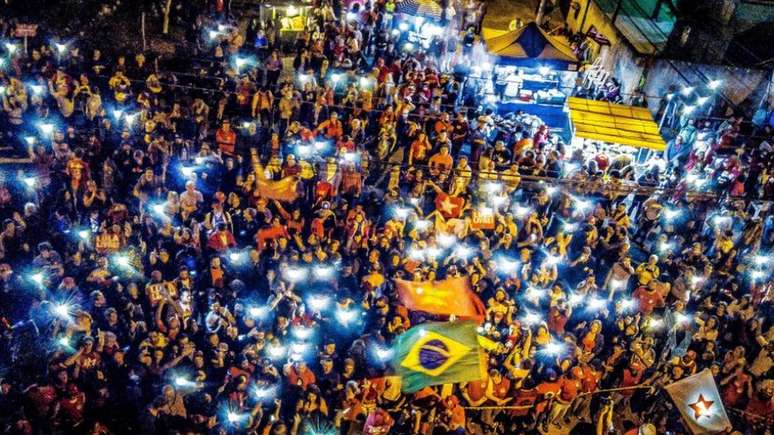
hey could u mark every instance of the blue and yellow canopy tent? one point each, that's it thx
(531, 46)
(614, 123)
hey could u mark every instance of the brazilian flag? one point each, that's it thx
(438, 353)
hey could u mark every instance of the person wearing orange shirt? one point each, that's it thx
(331, 128)
(453, 415)
(443, 124)
(441, 162)
(226, 139)
(522, 144)
(419, 149)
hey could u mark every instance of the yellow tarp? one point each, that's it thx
(614, 123)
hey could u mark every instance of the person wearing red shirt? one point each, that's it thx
(222, 239)
(557, 318)
(378, 422)
(569, 387)
(760, 408)
(589, 384)
(43, 399)
(70, 408)
(225, 138)
(498, 392)
(346, 145)
(631, 376)
(474, 392)
(647, 299)
(298, 374)
(736, 387)
(546, 390)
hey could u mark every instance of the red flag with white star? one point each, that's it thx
(450, 207)
(699, 402)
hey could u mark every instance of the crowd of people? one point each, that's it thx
(209, 244)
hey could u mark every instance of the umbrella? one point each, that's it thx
(420, 8)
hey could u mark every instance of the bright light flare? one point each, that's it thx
(506, 264)
(383, 354)
(302, 332)
(264, 393)
(46, 128)
(345, 316)
(761, 260)
(553, 348)
(446, 240)
(295, 274)
(595, 304)
(187, 171)
(463, 252)
(493, 187)
(276, 351)
(671, 214)
(258, 312)
(324, 272)
(532, 319)
(318, 302)
(121, 260)
(576, 299)
(37, 278)
(422, 224)
(30, 182)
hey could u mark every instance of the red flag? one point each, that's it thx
(449, 206)
(451, 296)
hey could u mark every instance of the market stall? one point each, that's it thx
(531, 71)
(291, 16)
(534, 66)
(615, 131)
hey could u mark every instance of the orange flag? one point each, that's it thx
(452, 296)
(284, 190)
(281, 190)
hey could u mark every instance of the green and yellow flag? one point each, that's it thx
(438, 353)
